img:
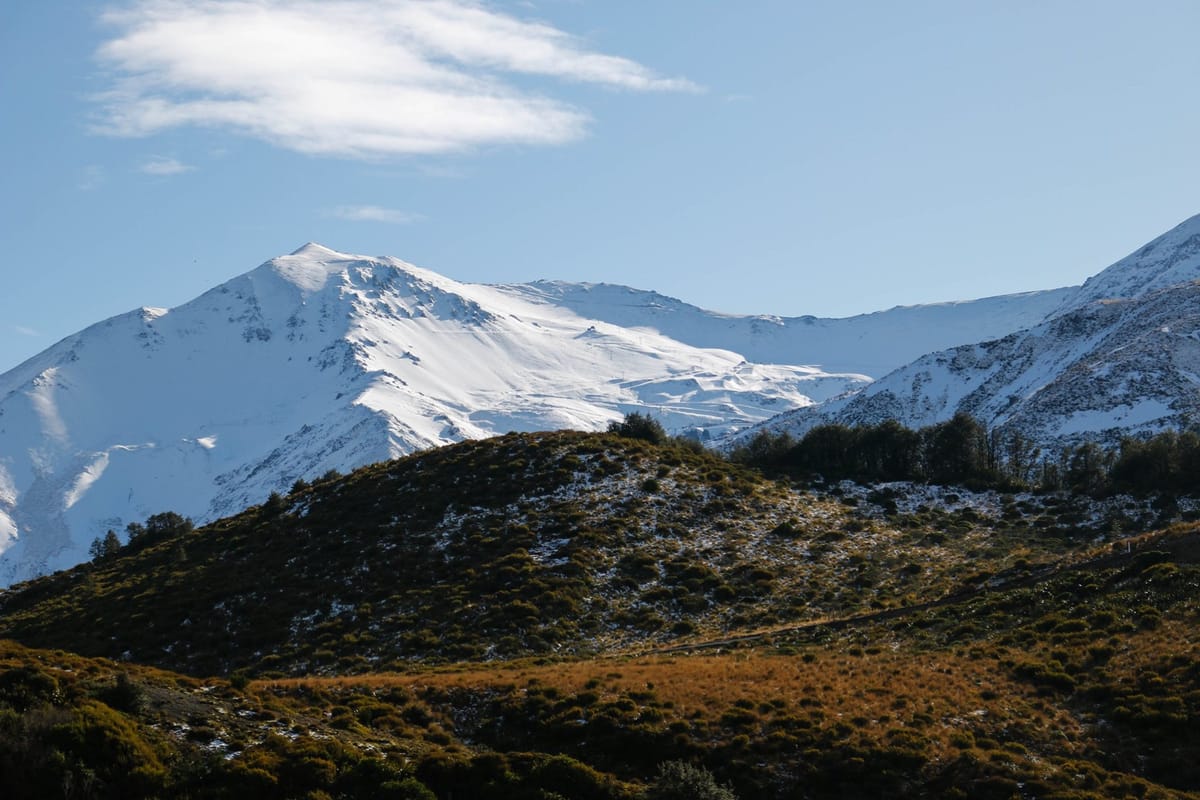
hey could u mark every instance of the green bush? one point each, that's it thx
(639, 426)
(679, 780)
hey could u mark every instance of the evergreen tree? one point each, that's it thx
(890, 452)
(766, 450)
(157, 527)
(1015, 456)
(110, 546)
(168, 523)
(275, 506)
(639, 426)
(956, 450)
(830, 451)
(1087, 468)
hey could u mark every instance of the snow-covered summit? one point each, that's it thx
(323, 360)
(309, 267)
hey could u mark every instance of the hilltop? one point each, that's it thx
(524, 544)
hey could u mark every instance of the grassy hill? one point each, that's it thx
(560, 615)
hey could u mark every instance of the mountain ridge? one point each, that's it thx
(1118, 357)
(869, 344)
(1167, 260)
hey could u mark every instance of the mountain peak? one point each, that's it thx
(1192, 223)
(1170, 259)
(320, 360)
(309, 267)
(314, 250)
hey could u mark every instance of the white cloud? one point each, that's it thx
(158, 165)
(21, 329)
(353, 78)
(391, 216)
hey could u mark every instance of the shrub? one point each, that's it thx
(24, 688)
(679, 780)
(639, 426)
(125, 695)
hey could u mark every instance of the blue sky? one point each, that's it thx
(765, 156)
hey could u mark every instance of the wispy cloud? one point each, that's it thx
(351, 77)
(158, 165)
(91, 177)
(392, 216)
(21, 329)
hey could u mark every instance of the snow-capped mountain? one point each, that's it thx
(1120, 356)
(320, 360)
(867, 344)
(1168, 260)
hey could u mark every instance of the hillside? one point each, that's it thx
(560, 615)
(522, 544)
(87, 728)
(525, 544)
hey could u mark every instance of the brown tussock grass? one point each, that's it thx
(938, 694)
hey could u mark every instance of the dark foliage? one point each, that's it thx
(105, 548)
(639, 426)
(961, 452)
(156, 528)
(679, 780)
(954, 452)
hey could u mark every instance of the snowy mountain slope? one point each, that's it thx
(320, 360)
(1106, 368)
(1168, 260)
(867, 344)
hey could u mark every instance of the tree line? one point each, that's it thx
(156, 528)
(963, 452)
